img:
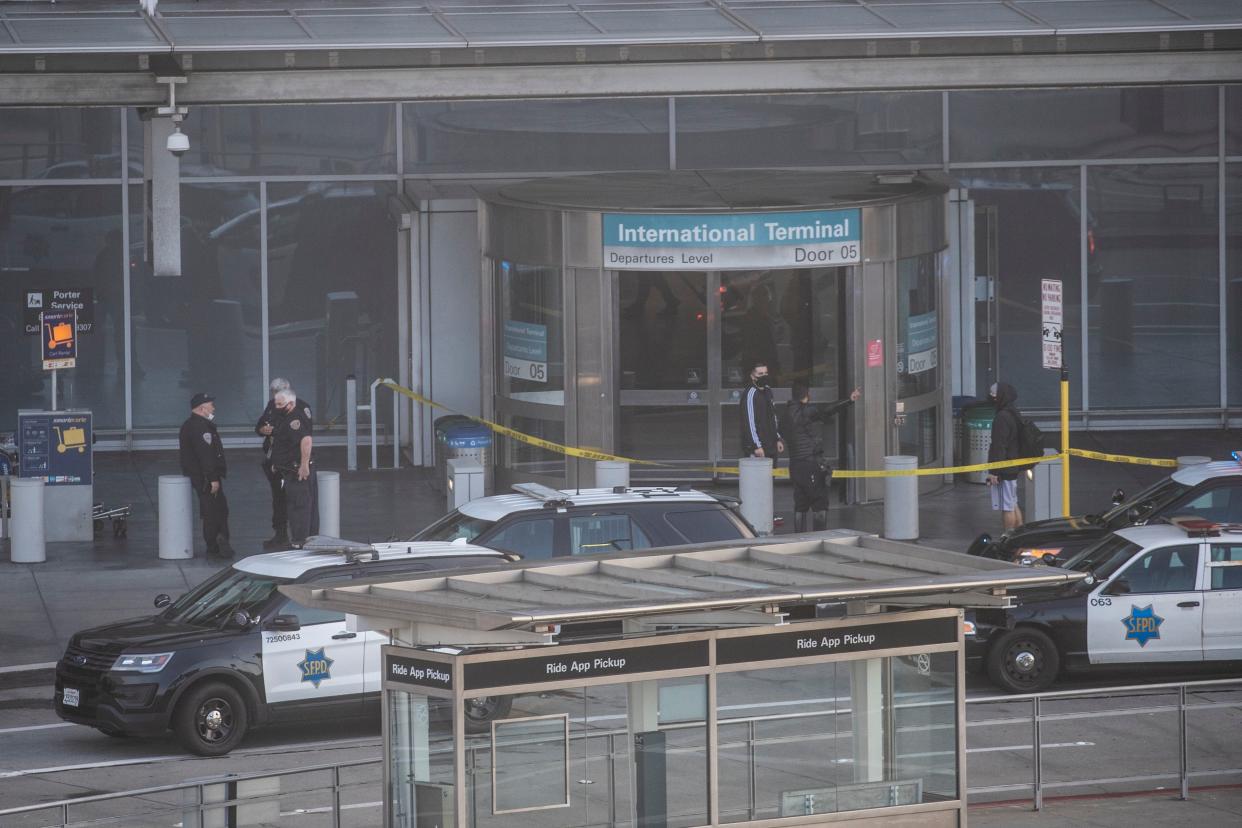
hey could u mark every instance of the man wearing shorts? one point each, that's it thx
(1005, 428)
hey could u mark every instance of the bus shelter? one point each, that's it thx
(798, 682)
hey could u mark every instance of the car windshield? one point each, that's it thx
(455, 526)
(215, 600)
(1102, 558)
(1148, 501)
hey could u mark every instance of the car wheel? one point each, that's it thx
(1023, 661)
(482, 711)
(211, 720)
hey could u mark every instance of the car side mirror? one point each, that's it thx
(1119, 497)
(285, 623)
(162, 600)
(1121, 586)
(242, 619)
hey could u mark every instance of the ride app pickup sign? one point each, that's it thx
(732, 241)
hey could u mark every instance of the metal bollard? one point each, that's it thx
(465, 482)
(1192, 460)
(29, 544)
(612, 473)
(1042, 499)
(351, 423)
(176, 530)
(754, 489)
(329, 503)
(901, 499)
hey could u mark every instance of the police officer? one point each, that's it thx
(291, 459)
(265, 427)
(761, 434)
(808, 469)
(202, 460)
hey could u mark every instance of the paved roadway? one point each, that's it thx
(43, 759)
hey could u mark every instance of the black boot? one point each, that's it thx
(799, 521)
(821, 521)
(277, 541)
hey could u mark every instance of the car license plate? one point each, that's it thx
(72, 698)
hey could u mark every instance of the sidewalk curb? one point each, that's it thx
(27, 675)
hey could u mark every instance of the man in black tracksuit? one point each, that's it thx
(761, 433)
(808, 469)
(202, 460)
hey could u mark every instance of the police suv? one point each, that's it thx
(234, 653)
(1212, 491)
(1167, 593)
(540, 522)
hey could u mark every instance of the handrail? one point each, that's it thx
(1100, 691)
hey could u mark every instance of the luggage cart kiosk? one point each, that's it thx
(694, 686)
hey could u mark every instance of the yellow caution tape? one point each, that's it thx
(1123, 458)
(593, 454)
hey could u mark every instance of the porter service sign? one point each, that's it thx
(732, 241)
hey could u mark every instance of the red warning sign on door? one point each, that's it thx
(875, 353)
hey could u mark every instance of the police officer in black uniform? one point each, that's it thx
(265, 428)
(202, 460)
(808, 469)
(291, 459)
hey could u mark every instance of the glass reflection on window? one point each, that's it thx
(530, 333)
(918, 326)
(663, 330)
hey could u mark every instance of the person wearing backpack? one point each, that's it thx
(1006, 445)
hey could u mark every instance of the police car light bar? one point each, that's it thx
(353, 551)
(549, 497)
(1236, 455)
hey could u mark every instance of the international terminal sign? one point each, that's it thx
(732, 241)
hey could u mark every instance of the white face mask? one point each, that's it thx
(211, 416)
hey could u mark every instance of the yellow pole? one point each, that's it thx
(1065, 457)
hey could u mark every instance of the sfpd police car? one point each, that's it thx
(1160, 594)
(540, 522)
(234, 653)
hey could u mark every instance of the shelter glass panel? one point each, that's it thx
(61, 142)
(201, 331)
(803, 130)
(1027, 230)
(332, 289)
(66, 238)
(420, 735)
(1233, 275)
(1029, 125)
(536, 136)
(1154, 286)
(1233, 120)
(321, 139)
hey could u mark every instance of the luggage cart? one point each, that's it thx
(117, 516)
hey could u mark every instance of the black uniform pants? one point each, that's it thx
(214, 510)
(300, 505)
(280, 509)
(810, 485)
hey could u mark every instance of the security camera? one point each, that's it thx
(178, 142)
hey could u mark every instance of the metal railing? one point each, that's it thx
(207, 801)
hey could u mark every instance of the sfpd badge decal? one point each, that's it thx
(1142, 625)
(316, 667)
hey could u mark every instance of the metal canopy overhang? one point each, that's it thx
(795, 571)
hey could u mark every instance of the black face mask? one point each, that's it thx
(763, 382)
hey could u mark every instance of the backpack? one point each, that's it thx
(1030, 438)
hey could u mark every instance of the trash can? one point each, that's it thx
(439, 427)
(469, 441)
(977, 438)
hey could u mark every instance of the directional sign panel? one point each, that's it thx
(1053, 321)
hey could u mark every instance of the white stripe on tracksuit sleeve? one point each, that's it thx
(750, 415)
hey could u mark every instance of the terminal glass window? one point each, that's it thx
(1026, 125)
(420, 730)
(531, 306)
(918, 327)
(863, 734)
(1233, 259)
(663, 328)
(62, 142)
(1154, 287)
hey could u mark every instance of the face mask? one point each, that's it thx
(763, 382)
(211, 416)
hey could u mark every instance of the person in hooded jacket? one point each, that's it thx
(808, 469)
(1006, 426)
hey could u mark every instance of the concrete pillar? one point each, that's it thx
(176, 522)
(1186, 460)
(901, 499)
(329, 503)
(29, 543)
(466, 482)
(1042, 499)
(612, 473)
(165, 200)
(754, 488)
(867, 700)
